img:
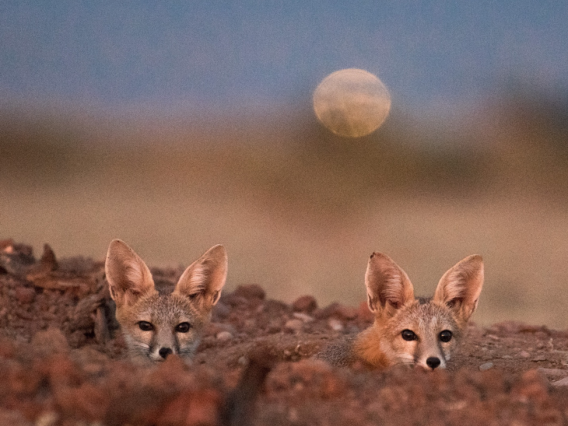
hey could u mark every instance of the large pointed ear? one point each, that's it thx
(203, 280)
(460, 286)
(388, 286)
(128, 276)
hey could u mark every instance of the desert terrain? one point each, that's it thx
(62, 362)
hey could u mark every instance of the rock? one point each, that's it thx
(560, 383)
(224, 336)
(250, 291)
(337, 310)
(294, 325)
(555, 373)
(305, 304)
(335, 324)
(524, 354)
(486, 366)
(25, 295)
(48, 258)
(346, 312)
(220, 310)
(303, 317)
(539, 358)
(50, 341)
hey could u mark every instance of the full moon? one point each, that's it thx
(351, 102)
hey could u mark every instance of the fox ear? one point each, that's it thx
(460, 286)
(203, 280)
(128, 276)
(388, 286)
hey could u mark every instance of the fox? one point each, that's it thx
(159, 319)
(418, 332)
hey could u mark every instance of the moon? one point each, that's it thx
(351, 102)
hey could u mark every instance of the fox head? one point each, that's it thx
(156, 320)
(418, 331)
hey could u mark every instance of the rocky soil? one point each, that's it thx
(62, 363)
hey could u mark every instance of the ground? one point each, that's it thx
(62, 362)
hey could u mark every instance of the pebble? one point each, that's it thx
(553, 372)
(250, 291)
(294, 324)
(224, 336)
(221, 310)
(539, 358)
(303, 317)
(305, 304)
(335, 324)
(524, 354)
(346, 312)
(50, 341)
(25, 295)
(561, 382)
(486, 366)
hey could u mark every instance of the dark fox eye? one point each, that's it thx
(145, 326)
(445, 336)
(408, 335)
(183, 327)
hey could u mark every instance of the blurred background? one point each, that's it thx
(178, 125)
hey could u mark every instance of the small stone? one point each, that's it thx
(346, 312)
(25, 295)
(555, 373)
(305, 304)
(539, 358)
(303, 317)
(250, 291)
(524, 354)
(221, 310)
(335, 324)
(243, 361)
(506, 357)
(486, 366)
(224, 336)
(561, 382)
(294, 325)
(50, 341)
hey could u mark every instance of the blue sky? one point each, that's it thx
(254, 54)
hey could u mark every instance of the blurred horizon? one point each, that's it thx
(299, 208)
(182, 125)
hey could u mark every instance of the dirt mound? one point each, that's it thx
(62, 363)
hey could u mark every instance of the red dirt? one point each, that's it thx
(62, 363)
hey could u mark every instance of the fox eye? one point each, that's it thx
(445, 336)
(183, 327)
(408, 335)
(145, 326)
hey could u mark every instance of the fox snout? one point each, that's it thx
(164, 352)
(433, 362)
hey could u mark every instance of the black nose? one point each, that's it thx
(432, 362)
(164, 352)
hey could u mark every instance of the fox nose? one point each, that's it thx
(432, 362)
(164, 352)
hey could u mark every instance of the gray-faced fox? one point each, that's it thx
(409, 330)
(159, 319)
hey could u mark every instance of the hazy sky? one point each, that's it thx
(226, 54)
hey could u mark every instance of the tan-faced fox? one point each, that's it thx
(158, 318)
(407, 330)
